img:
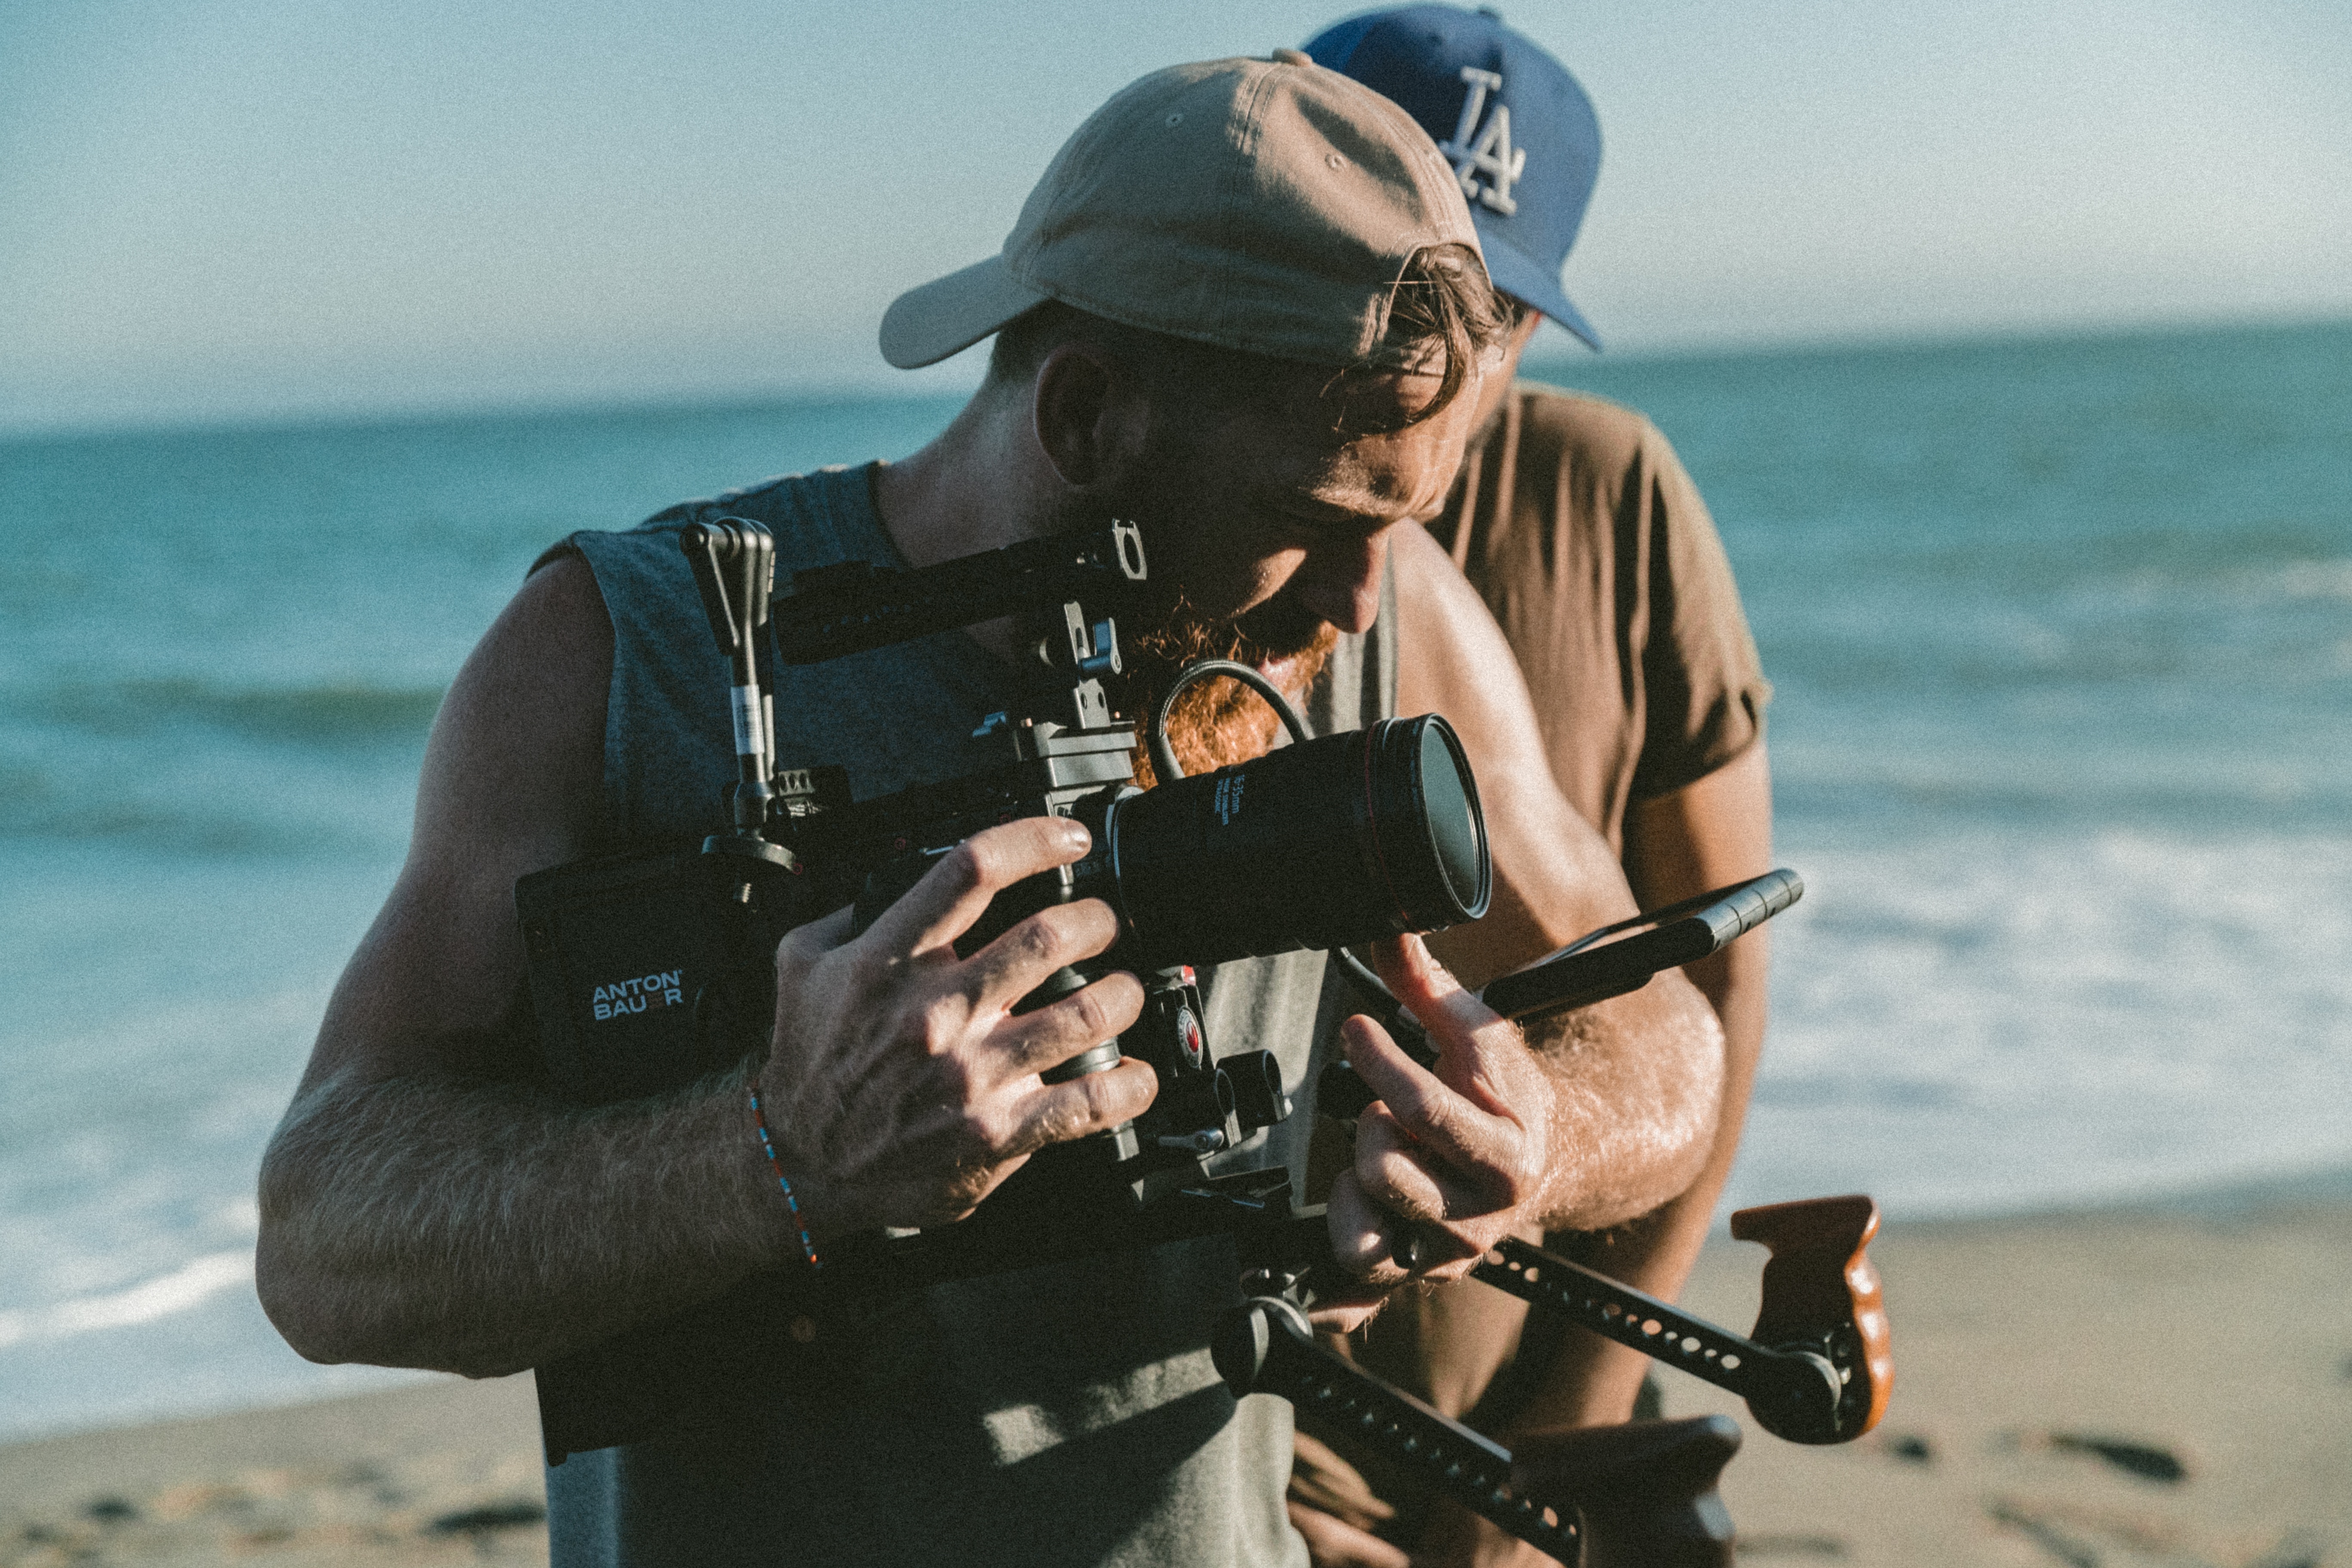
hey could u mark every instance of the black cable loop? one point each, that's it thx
(1163, 755)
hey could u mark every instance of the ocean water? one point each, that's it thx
(2061, 632)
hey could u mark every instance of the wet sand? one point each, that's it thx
(2109, 1390)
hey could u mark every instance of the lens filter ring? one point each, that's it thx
(1428, 832)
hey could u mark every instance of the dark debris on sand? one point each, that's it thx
(2147, 1460)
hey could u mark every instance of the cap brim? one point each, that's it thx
(1518, 274)
(946, 316)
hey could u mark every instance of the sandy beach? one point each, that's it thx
(2118, 1390)
(2164, 1386)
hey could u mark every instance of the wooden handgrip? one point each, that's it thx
(1646, 1490)
(1822, 1294)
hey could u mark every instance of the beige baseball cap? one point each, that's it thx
(1267, 206)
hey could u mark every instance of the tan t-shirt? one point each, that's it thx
(1591, 547)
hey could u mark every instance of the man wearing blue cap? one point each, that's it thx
(1590, 545)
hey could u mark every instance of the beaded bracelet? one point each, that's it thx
(759, 1126)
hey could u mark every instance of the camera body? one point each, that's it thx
(871, 853)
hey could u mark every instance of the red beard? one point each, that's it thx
(1219, 722)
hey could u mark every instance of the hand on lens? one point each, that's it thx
(1453, 1159)
(900, 1088)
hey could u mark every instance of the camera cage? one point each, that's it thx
(620, 1020)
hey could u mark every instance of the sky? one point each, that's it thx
(230, 210)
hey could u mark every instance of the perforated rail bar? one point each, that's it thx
(1827, 1373)
(1801, 1390)
(1264, 1346)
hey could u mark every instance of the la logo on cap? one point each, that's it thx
(1490, 151)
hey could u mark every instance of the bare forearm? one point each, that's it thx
(1637, 1085)
(1592, 1382)
(482, 1229)
(1705, 835)
(1735, 985)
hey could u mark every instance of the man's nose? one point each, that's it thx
(1341, 583)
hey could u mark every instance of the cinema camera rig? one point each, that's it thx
(651, 971)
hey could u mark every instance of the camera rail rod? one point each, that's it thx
(1591, 969)
(855, 605)
(1587, 971)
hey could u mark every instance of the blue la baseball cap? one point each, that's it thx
(1519, 132)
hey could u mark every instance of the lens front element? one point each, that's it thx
(1432, 836)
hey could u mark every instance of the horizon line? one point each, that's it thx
(326, 415)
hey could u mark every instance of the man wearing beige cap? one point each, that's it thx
(1244, 308)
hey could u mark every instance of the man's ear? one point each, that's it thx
(1087, 416)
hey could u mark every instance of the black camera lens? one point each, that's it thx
(1427, 829)
(1326, 843)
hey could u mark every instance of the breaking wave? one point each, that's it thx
(336, 714)
(191, 1285)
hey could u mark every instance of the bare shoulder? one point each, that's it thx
(1452, 658)
(512, 782)
(517, 748)
(1555, 878)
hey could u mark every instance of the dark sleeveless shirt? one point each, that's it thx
(1064, 1415)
